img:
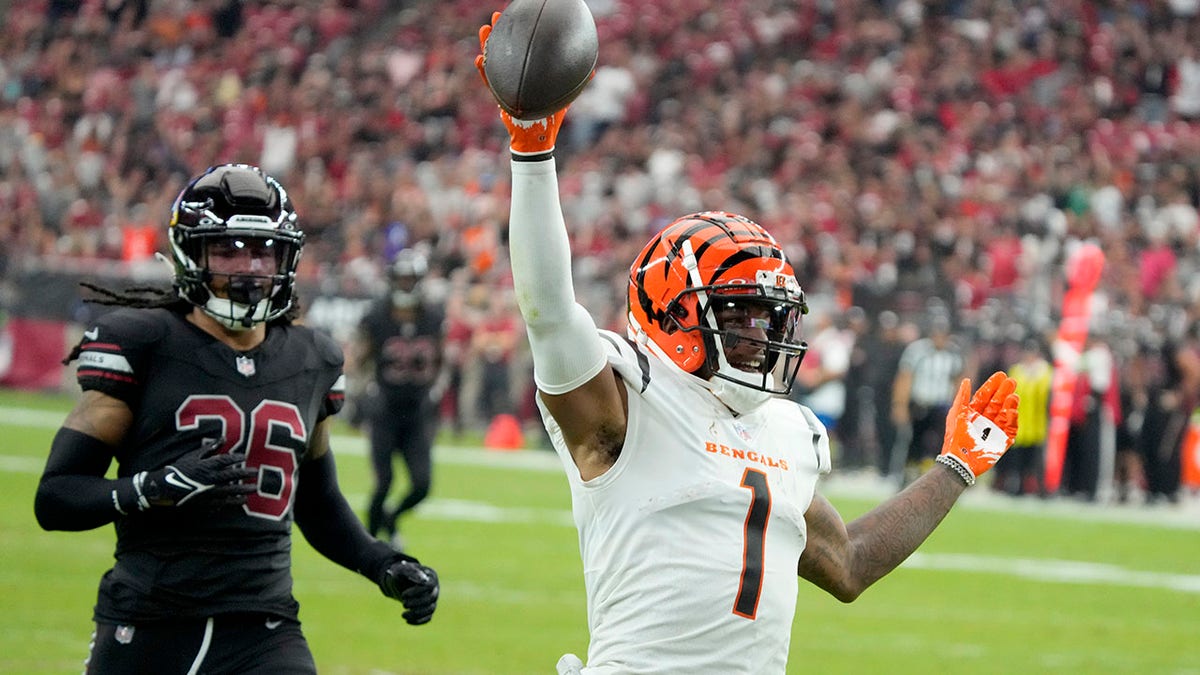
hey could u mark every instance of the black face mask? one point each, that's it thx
(245, 290)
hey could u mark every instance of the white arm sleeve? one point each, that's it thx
(567, 351)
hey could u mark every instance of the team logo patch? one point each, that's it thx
(245, 365)
(124, 634)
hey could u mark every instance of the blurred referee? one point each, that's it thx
(930, 369)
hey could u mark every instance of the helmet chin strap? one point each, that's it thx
(234, 315)
(741, 395)
(738, 398)
(405, 299)
(735, 388)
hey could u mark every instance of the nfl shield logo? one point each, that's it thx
(742, 431)
(245, 365)
(124, 634)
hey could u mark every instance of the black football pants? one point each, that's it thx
(226, 643)
(412, 438)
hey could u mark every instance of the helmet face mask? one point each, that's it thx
(235, 245)
(406, 274)
(750, 338)
(716, 296)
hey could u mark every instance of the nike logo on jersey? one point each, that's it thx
(272, 624)
(93, 334)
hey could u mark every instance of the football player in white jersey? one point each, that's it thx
(693, 482)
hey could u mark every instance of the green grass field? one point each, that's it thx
(1002, 587)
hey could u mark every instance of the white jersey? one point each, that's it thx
(690, 541)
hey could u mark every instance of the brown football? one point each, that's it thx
(540, 56)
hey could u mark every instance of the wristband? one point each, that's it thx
(957, 465)
(532, 156)
(383, 564)
(138, 480)
(127, 497)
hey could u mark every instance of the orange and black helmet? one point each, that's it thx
(701, 263)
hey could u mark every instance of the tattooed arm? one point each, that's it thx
(844, 559)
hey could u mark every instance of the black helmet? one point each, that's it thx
(406, 274)
(233, 207)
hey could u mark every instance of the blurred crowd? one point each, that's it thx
(918, 160)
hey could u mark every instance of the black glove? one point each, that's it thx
(414, 585)
(203, 475)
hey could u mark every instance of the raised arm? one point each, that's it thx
(844, 560)
(578, 387)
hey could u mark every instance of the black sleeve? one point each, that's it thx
(73, 493)
(330, 525)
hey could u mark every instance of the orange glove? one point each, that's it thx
(979, 433)
(529, 137)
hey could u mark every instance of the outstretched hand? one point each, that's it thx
(204, 475)
(528, 137)
(980, 431)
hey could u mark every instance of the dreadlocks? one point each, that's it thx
(154, 297)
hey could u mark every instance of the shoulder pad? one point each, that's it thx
(327, 350)
(128, 327)
(631, 364)
(326, 347)
(113, 350)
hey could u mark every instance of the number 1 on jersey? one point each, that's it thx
(754, 539)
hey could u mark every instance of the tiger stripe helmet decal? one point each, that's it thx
(700, 257)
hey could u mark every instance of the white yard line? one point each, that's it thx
(1044, 570)
(1054, 571)
(1185, 515)
(31, 418)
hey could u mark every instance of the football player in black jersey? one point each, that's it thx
(402, 337)
(217, 409)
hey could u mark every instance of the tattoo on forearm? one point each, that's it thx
(887, 535)
(823, 556)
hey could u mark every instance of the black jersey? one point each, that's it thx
(407, 353)
(185, 386)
